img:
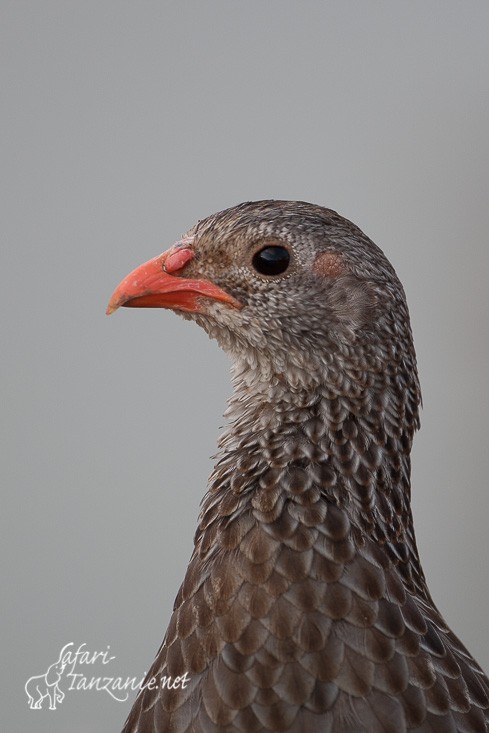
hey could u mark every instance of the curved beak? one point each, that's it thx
(158, 284)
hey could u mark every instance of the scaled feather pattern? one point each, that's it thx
(304, 607)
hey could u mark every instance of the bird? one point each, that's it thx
(304, 607)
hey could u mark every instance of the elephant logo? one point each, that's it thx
(46, 685)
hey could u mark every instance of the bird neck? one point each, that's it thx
(350, 447)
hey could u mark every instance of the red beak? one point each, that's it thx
(152, 286)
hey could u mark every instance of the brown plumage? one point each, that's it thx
(304, 607)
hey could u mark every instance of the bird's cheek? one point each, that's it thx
(353, 301)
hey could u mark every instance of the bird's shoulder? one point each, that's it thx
(299, 609)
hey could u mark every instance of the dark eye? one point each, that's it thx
(271, 260)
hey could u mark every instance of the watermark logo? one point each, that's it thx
(73, 670)
(42, 686)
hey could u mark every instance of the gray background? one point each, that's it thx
(123, 123)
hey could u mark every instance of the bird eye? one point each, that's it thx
(271, 260)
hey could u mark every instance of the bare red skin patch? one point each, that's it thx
(330, 264)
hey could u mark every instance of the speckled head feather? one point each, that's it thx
(339, 289)
(304, 607)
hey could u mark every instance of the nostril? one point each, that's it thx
(177, 258)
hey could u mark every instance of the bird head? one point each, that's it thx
(292, 291)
